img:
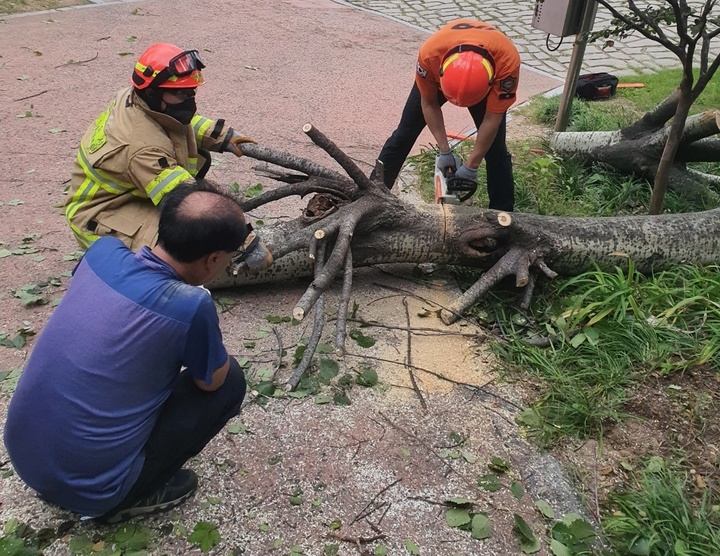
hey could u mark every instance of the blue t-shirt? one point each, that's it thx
(100, 372)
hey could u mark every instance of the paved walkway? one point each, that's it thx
(635, 54)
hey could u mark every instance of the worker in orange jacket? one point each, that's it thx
(471, 64)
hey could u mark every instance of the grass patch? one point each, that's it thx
(626, 107)
(607, 115)
(660, 84)
(548, 185)
(607, 332)
(664, 515)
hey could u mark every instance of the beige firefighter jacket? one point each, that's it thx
(128, 159)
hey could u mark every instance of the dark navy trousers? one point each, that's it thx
(500, 182)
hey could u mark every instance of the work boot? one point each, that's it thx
(173, 493)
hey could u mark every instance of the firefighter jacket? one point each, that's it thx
(128, 159)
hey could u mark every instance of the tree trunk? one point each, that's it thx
(467, 236)
(674, 136)
(358, 222)
(641, 154)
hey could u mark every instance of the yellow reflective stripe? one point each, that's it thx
(85, 239)
(166, 181)
(94, 180)
(192, 166)
(200, 126)
(142, 67)
(99, 138)
(84, 194)
(104, 180)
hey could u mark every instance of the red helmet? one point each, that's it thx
(466, 75)
(166, 66)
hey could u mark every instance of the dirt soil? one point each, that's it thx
(287, 472)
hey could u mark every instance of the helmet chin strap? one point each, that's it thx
(153, 98)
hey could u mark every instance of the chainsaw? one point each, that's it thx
(449, 189)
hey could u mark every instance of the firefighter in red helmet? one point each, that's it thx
(148, 140)
(470, 64)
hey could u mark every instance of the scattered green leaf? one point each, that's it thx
(545, 509)
(412, 547)
(490, 482)
(517, 489)
(341, 398)
(482, 527)
(529, 543)
(361, 339)
(498, 465)
(253, 190)
(457, 517)
(205, 535)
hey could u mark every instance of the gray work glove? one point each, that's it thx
(445, 161)
(465, 173)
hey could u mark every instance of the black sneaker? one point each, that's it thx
(176, 491)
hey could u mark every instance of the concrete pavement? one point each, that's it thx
(634, 54)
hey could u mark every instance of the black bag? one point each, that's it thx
(596, 86)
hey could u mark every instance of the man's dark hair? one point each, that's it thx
(198, 220)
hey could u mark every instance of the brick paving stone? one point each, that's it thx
(514, 17)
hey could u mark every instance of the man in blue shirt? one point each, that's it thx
(130, 378)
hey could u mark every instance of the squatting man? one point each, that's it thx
(130, 378)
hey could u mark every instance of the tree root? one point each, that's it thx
(517, 261)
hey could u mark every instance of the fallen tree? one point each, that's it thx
(659, 145)
(352, 221)
(639, 149)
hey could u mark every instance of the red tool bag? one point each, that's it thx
(596, 86)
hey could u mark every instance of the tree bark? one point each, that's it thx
(361, 223)
(642, 154)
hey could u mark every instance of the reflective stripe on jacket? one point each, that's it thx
(132, 156)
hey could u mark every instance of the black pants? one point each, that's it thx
(500, 183)
(190, 418)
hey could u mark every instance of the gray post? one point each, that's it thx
(571, 79)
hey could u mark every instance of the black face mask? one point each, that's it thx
(182, 112)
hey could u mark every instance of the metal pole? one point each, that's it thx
(571, 79)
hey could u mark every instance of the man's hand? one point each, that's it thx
(445, 161)
(465, 173)
(233, 144)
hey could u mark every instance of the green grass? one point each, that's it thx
(625, 107)
(607, 115)
(548, 185)
(659, 85)
(663, 516)
(609, 332)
